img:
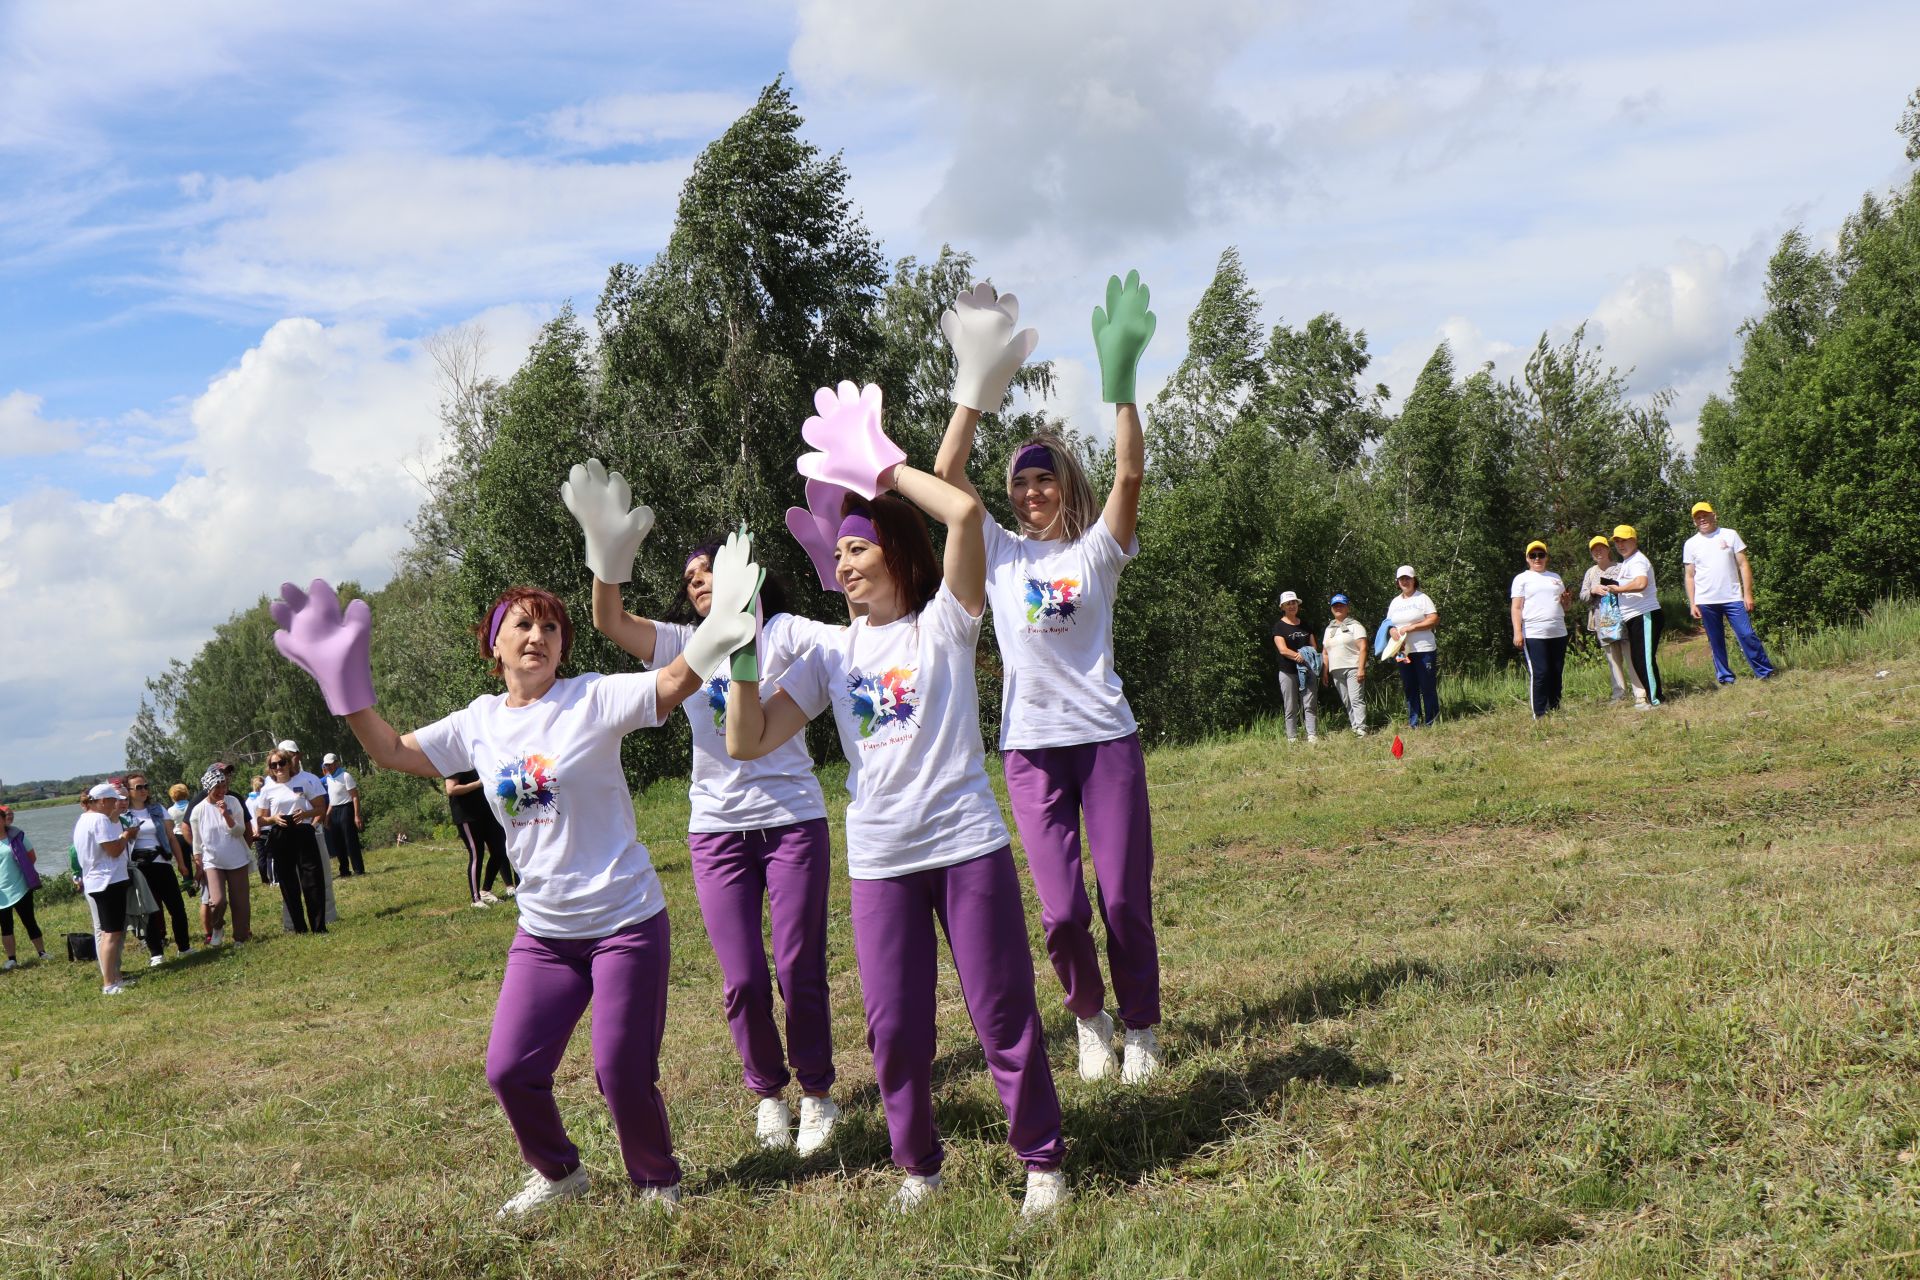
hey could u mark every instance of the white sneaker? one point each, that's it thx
(1096, 1046)
(156, 961)
(488, 898)
(1643, 706)
(915, 1190)
(1142, 1056)
(1313, 737)
(541, 1191)
(817, 1118)
(508, 891)
(480, 904)
(218, 938)
(773, 1125)
(668, 1198)
(1046, 1191)
(113, 990)
(10, 964)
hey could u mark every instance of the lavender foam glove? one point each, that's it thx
(327, 644)
(816, 525)
(854, 452)
(986, 350)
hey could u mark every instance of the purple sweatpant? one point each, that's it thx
(977, 903)
(548, 984)
(1050, 787)
(788, 867)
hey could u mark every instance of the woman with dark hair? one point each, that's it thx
(485, 839)
(593, 926)
(1068, 740)
(159, 853)
(926, 847)
(756, 833)
(19, 877)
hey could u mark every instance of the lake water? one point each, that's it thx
(51, 830)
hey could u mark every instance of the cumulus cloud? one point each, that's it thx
(635, 119)
(303, 460)
(1669, 320)
(1102, 117)
(23, 431)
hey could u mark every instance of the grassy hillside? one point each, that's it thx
(1615, 995)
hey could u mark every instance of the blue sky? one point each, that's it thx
(230, 232)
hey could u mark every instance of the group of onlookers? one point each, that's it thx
(1621, 595)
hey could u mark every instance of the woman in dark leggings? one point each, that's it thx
(287, 818)
(19, 877)
(480, 831)
(157, 852)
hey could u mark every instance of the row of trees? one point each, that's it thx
(1272, 462)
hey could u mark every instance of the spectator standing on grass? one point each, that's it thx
(315, 790)
(1412, 619)
(287, 814)
(220, 844)
(1639, 599)
(158, 853)
(1299, 682)
(1539, 600)
(178, 808)
(100, 851)
(1720, 592)
(1603, 570)
(482, 834)
(19, 877)
(1344, 647)
(344, 823)
(257, 832)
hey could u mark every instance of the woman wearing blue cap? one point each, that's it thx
(1344, 647)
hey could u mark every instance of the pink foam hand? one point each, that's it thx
(328, 644)
(816, 525)
(853, 451)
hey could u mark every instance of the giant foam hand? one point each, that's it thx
(816, 527)
(986, 351)
(599, 499)
(853, 452)
(1121, 333)
(314, 635)
(731, 622)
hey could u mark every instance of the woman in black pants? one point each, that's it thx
(19, 877)
(157, 852)
(479, 831)
(287, 819)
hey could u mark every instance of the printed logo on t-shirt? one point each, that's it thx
(1052, 599)
(888, 698)
(717, 700)
(527, 786)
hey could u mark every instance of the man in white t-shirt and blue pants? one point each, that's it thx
(1720, 590)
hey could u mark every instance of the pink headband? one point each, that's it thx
(857, 525)
(1034, 455)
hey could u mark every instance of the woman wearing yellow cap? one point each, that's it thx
(1593, 591)
(1640, 612)
(1540, 599)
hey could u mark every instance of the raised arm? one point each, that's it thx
(755, 728)
(987, 353)
(611, 619)
(955, 448)
(1122, 512)
(965, 562)
(388, 747)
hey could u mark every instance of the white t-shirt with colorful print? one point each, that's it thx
(779, 788)
(1053, 617)
(904, 701)
(552, 777)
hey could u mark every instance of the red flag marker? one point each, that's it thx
(1399, 748)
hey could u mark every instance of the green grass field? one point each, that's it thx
(1615, 995)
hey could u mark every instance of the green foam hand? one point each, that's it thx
(1121, 332)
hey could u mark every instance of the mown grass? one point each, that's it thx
(1614, 995)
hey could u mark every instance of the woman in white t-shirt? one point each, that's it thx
(100, 843)
(1069, 744)
(926, 847)
(1539, 600)
(592, 922)
(1413, 619)
(756, 835)
(222, 860)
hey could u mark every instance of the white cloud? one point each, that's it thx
(1667, 321)
(1100, 117)
(23, 431)
(394, 233)
(302, 462)
(632, 119)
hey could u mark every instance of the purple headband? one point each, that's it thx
(493, 624)
(707, 549)
(1034, 455)
(857, 525)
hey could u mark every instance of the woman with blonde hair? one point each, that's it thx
(1069, 744)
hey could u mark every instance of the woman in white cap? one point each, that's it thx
(1539, 614)
(1299, 680)
(100, 844)
(1412, 619)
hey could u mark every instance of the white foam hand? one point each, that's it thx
(599, 499)
(854, 452)
(986, 350)
(730, 622)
